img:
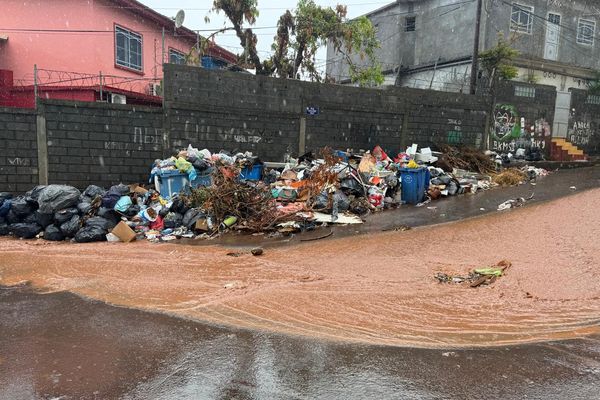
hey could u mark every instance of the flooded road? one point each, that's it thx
(59, 346)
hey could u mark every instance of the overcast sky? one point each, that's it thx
(270, 10)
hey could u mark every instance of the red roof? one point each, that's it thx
(150, 14)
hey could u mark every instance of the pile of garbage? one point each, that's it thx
(200, 194)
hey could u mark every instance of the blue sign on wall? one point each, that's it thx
(313, 110)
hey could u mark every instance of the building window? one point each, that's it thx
(410, 24)
(593, 99)
(554, 19)
(128, 49)
(586, 31)
(524, 91)
(521, 19)
(177, 57)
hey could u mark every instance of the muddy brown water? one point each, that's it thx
(374, 289)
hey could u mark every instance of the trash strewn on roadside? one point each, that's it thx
(200, 194)
(476, 277)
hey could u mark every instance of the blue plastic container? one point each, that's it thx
(172, 182)
(415, 182)
(202, 180)
(253, 173)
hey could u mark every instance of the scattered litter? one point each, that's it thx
(258, 251)
(573, 188)
(513, 203)
(478, 276)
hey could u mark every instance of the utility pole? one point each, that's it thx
(474, 65)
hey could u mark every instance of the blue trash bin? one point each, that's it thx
(172, 182)
(415, 182)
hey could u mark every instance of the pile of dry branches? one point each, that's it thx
(253, 205)
(468, 159)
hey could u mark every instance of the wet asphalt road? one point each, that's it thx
(59, 346)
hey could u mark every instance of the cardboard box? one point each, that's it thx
(123, 232)
(202, 225)
(135, 188)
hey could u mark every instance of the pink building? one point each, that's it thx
(120, 39)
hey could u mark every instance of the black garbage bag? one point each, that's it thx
(12, 218)
(445, 179)
(5, 206)
(163, 212)
(71, 227)
(2, 220)
(42, 219)
(201, 165)
(5, 196)
(179, 206)
(53, 233)
(4, 230)
(30, 219)
(340, 201)
(133, 210)
(173, 220)
(62, 216)
(110, 199)
(25, 230)
(109, 215)
(321, 201)
(23, 206)
(84, 207)
(89, 234)
(100, 222)
(352, 186)
(57, 197)
(191, 216)
(92, 191)
(35, 192)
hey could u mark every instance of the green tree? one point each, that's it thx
(497, 65)
(299, 36)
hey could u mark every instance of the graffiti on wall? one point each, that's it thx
(511, 131)
(581, 133)
(507, 125)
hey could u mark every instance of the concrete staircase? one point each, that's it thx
(563, 150)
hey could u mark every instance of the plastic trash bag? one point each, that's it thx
(4, 230)
(71, 227)
(53, 233)
(132, 211)
(57, 197)
(5, 196)
(341, 201)
(100, 223)
(179, 206)
(92, 191)
(12, 218)
(123, 204)
(62, 216)
(173, 220)
(452, 187)
(5, 206)
(321, 201)
(91, 234)
(35, 192)
(110, 198)
(191, 216)
(84, 207)
(30, 219)
(25, 230)
(183, 165)
(23, 206)
(42, 219)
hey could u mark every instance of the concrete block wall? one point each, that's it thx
(100, 143)
(268, 116)
(18, 150)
